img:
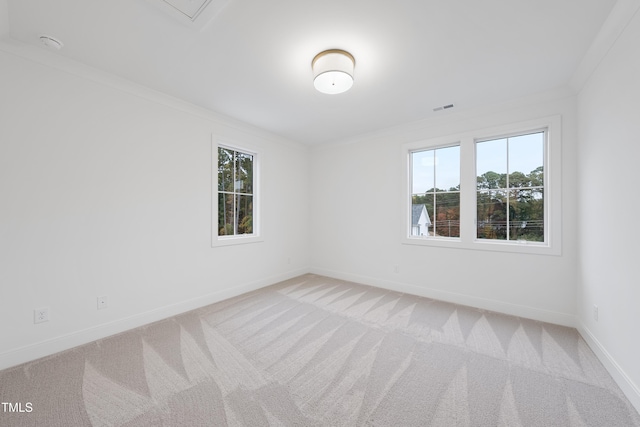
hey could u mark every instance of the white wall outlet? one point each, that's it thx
(595, 312)
(396, 268)
(40, 315)
(103, 302)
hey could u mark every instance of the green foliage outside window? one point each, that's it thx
(515, 212)
(510, 203)
(446, 221)
(235, 192)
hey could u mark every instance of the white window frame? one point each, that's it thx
(410, 225)
(237, 239)
(468, 189)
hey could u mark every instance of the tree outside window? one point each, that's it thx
(495, 189)
(510, 188)
(435, 184)
(235, 192)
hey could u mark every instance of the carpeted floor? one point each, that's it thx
(314, 351)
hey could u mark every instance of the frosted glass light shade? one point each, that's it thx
(333, 71)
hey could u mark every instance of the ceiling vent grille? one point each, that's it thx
(195, 13)
(444, 107)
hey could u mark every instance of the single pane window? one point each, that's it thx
(225, 169)
(447, 218)
(423, 175)
(245, 214)
(491, 164)
(492, 216)
(526, 160)
(526, 221)
(244, 173)
(435, 192)
(447, 167)
(225, 214)
(515, 211)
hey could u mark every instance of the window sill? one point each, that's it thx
(522, 247)
(235, 240)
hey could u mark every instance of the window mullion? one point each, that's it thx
(468, 190)
(435, 199)
(508, 193)
(235, 196)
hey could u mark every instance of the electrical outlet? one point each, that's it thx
(595, 312)
(396, 269)
(40, 315)
(103, 302)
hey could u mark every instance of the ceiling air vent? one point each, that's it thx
(196, 13)
(444, 107)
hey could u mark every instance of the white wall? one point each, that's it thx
(357, 187)
(4, 18)
(105, 189)
(609, 154)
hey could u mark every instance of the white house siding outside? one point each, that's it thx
(420, 221)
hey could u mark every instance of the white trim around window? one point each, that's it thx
(552, 244)
(238, 239)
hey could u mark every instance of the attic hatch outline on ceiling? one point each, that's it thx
(192, 16)
(193, 13)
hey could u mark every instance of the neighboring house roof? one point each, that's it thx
(416, 212)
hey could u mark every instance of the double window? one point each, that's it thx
(497, 189)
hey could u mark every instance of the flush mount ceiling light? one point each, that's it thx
(333, 71)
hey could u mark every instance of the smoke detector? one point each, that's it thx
(51, 42)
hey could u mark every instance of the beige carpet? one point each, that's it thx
(314, 351)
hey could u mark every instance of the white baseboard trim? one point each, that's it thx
(65, 342)
(468, 300)
(51, 346)
(626, 384)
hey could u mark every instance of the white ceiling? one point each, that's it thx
(252, 60)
